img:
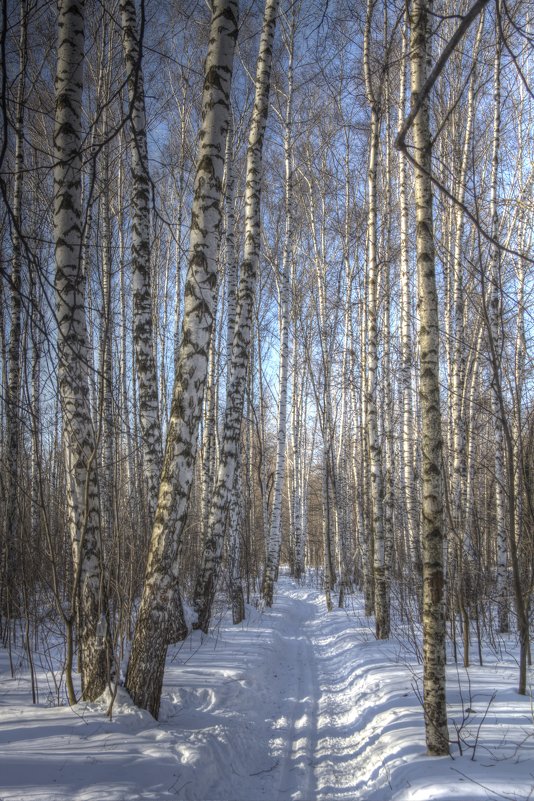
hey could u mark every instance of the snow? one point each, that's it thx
(295, 704)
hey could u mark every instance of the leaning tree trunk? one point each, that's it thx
(79, 434)
(142, 293)
(459, 430)
(157, 625)
(435, 708)
(231, 437)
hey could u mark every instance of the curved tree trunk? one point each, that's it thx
(157, 625)
(206, 581)
(459, 406)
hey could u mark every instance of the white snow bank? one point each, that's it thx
(293, 704)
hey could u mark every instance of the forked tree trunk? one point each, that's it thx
(79, 434)
(157, 625)
(435, 709)
(231, 437)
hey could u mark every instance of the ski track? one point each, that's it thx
(305, 733)
(293, 705)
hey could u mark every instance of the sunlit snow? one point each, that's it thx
(293, 705)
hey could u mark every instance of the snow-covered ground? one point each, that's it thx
(293, 704)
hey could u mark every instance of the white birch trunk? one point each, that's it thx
(234, 549)
(381, 595)
(407, 354)
(343, 456)
(297, 444)
(435, 708)
(459, 430)
(142, 293)
(10, 543)
(129, 468)
(495, 313)
(79, 435)
(387, 403)
(231, 437)
(106, 371)
(156, 625)
(179, 248)
(275, 533)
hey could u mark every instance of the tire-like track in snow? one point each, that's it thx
(314, 735)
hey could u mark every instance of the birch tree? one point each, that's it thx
(435, 708)
(507, 544)
(79, 434)
(406, 368)
(11, 513)
(494, 321)
(142, 292)
(275, 535)
(235, 514)
(231, 437)
(381, 579)
(156, 624)
(459, 443)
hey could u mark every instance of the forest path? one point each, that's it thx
(255, 712)
(270, 710)
(285, 684)
(294, 704)
(312, 708)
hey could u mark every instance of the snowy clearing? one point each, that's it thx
(294, 704)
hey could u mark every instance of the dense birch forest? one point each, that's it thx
(266, 299)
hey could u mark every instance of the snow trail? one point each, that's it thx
(292, 705)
